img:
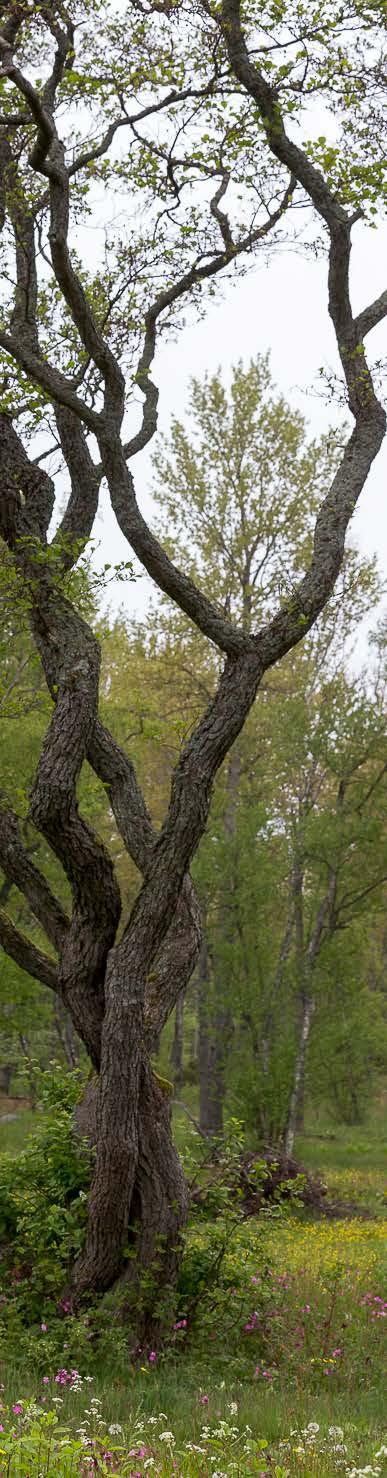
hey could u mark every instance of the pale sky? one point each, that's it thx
(281, 307)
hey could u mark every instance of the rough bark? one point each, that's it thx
(159, 1202)
(119, 995)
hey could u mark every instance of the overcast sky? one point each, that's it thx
(281, 307)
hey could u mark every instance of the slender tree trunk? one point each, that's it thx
(300, 1122)
(215, 1025)
(25, 1047)
(6, 1073)
(176, 1057)
(211, 1077)
(298, 1079)
(65, 1032)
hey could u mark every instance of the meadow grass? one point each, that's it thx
(255, 1398)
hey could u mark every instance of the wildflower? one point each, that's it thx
(167, 1437)
(233, 1407)
(115, 1430)
(45, 1380)
(1, 1428)
(17, 1408)
(204, 1400)
(43, 1328)
(180, 1324)
(152, 1357)
(336, 1433)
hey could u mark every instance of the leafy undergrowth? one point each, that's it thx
(274, 1356)
(267, 1376)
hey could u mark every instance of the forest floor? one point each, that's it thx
(282, 1372)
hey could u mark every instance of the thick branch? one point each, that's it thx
(26, 954)
(77, 522)
(17, 866)
(51, 380)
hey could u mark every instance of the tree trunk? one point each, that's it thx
(298, 1079)
(212, 1027)
(300, 1121)
(176, 1057)
(6, 1073)
(64, 1030)
(157, 1210)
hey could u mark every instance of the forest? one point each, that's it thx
(193, 798)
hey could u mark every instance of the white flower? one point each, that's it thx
(167, 1437)
(233, 1407)
(336, 1432)
(115, 1430)
(150, 1462)
(366, 1472)
(382, 1452)
(314, 1427)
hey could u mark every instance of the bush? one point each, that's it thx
(43, 1199)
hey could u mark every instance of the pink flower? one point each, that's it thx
(1, 1428)
(17, 1408)
(203, 1400)
(336, 1353)
(45, 1380)
(180, 1324)
(306, 1309)
(43, 1328)
(152, 1357)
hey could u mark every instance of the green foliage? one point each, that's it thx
(43, 1198)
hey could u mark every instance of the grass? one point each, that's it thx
(13, 1135)
(351, 1159)
(323, 1293)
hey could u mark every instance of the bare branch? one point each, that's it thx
(26, 954)
(371, 316)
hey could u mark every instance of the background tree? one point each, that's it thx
(239, 447)
(74, 341)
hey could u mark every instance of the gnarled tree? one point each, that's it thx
(194, 120)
